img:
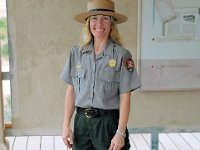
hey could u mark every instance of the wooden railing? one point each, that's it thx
(154, 131)
(3, 142)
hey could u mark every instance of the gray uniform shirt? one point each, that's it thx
(99, 80)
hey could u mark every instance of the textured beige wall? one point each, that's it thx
(41, 34)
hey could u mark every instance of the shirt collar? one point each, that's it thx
(88, 49)
(108, 49)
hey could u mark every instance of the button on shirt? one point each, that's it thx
(99, 80)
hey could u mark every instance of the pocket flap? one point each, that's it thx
(79, 73)
(110, 76)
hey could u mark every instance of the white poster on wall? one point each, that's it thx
(169, 50)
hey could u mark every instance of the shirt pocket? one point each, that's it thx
(78, 79)
(109, 82)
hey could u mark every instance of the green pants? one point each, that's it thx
(96, 133)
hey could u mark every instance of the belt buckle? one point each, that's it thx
(90, 113)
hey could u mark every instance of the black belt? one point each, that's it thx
(95, 112)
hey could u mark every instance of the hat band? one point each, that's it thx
(94, 10)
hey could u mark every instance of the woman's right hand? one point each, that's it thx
(67, 136)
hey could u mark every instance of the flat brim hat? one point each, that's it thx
(101, 7)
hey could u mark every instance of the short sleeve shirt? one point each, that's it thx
(99, 80)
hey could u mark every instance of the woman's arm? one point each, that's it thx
(118, 140)
(124, 111)
(67, 134)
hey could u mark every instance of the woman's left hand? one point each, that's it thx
(117, 142)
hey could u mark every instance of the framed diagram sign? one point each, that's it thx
(169, 44)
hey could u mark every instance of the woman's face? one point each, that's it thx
(100, 26)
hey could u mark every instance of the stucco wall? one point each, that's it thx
(41, 35)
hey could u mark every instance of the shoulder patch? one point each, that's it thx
(129, 63)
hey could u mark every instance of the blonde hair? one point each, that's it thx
(87, 36)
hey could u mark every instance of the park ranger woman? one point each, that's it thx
(101, 76)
